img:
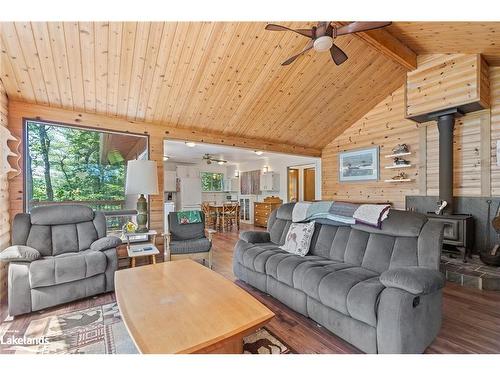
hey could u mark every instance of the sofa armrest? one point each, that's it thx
(415, 280)
(255, 237)
(19, 253)
(105, 243)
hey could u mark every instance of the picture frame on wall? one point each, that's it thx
(359, 165)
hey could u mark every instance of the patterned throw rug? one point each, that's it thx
(99, 330)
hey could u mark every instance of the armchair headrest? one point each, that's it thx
(61, 214)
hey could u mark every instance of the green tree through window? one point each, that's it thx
(67, 164)
(212, 181)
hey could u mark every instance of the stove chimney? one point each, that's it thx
(446, 122)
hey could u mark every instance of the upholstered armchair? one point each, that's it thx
(190, 241)
(60, 254)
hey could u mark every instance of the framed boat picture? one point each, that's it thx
(359, 165)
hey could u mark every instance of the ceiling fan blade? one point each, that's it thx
(292, 59)
(305, 32)
(338, 55)
(356, 27)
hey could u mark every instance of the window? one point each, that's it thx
(75, 165)
(212, 181)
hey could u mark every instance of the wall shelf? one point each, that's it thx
(403, 180)
(399, 166)
(397, 155)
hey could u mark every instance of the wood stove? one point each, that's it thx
(458, 228)
(458, 232)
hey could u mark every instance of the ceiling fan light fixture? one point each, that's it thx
(323, 43)
(220, 162)
(190, 144)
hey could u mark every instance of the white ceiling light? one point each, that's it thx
(165, 157)
(190, 144)
(220, 162)
(323, 43)
(258, 152)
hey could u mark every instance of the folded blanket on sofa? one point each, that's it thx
(372, 214)
(299, 212)
(340, 212)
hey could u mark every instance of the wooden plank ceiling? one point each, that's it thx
(210, 76)
(451, 37)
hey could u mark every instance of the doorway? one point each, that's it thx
(293, 185)
(302, 184)
(309, 184)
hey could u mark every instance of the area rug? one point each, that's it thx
(99, 330)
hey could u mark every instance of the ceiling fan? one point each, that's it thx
(323, 35)
(209, 158)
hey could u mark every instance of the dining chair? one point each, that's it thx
(210, 215)
(230, 215)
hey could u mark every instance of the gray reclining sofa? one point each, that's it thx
(77, 259)
(378, 289)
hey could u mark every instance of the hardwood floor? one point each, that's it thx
(471, 322)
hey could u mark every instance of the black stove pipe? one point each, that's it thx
(446, 124)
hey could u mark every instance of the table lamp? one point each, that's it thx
(141, 179)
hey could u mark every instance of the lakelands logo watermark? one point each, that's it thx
(23, 340)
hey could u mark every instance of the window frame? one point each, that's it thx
(25, 148)
(212, 173)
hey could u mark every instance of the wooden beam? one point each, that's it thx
(386, 43)
(163, 131)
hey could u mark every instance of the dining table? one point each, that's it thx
(217, 208)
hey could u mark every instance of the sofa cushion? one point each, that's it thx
(290, 269)
(313, 276)
(256, 257)
(200, 245)
(66, 267)
(40, 238)
(64, 239)
(321, 243)
(362, 300)
(279, 230)
(334, 287)
(87, 234)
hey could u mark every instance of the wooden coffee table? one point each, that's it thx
(184, 307)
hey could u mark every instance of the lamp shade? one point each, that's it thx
(142, 177)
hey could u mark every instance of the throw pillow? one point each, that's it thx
(19, 253)
(298, 238)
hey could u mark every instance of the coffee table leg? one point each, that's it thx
(153, 259)
(133, 263)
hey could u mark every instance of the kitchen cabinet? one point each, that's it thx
(184, 171)
(232, 184)
(262, 210)
(270, 181)
(169, 179)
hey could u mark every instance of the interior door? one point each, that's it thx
(309, 184)
(293, 185)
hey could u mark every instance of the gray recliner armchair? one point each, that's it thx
(75, 260)
(188, 240)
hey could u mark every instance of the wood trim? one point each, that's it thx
(155, 130)
(387, 44)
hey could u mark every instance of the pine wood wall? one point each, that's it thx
(4, 201)
(476, 172)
